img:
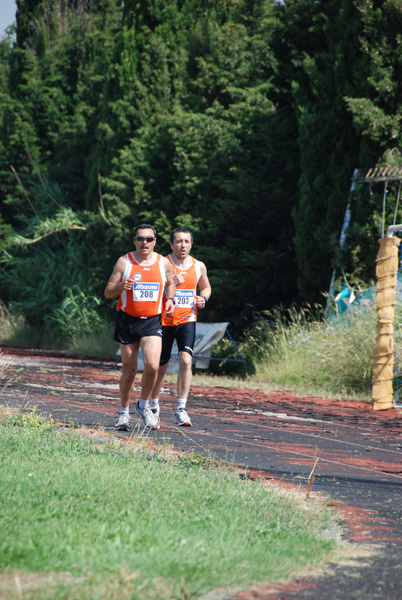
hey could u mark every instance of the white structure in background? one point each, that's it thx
(207, 335)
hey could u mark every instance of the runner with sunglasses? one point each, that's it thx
(188, 275)
(140, 280)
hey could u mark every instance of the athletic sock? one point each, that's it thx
(143, 403)
(181, 403)
(124, 410)
(154, 404)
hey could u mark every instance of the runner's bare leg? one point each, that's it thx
(129, 358)
(159, 380)
(185, 375)
(151, 347)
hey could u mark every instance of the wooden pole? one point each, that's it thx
(383, 371)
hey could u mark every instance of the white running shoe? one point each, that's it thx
(181, 418)
(122, 423)
(149, 419)
(156, 412)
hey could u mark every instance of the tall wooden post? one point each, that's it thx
(383, 372)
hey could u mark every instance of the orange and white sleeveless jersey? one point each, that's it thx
(145, 298)
(185, 307)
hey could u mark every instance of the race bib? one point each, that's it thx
(146, 292)
(184, 298)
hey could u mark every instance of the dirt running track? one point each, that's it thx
(276, 435)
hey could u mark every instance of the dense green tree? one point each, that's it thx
(320, 49)
(58, 77)
(244, 120)
(344, 80)
(51, 275)
(376, 111)
(6, 175)
(208, 147)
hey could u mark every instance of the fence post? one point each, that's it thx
(383, 371)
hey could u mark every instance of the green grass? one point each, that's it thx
(81, 519)
(15, 331)
(300, 351)
(332, 357)
(296, 350)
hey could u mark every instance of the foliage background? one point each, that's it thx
(244, 120)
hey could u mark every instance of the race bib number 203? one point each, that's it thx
(184, 298)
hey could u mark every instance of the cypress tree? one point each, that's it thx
(344, 78)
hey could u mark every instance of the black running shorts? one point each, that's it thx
(130, 329)
(184, 334)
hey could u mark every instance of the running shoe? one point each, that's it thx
(181, 418)
(149, 419)
(156, 412)
(122, 422)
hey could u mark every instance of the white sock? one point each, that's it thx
(154, 403)
(143, 403)
(181, 403)
(124, 410)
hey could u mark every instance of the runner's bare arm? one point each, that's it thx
(116, 285)
(205, 288)
(178, 279)
(170, 288)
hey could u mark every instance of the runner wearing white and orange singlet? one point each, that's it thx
(188, 274)
(140, 280)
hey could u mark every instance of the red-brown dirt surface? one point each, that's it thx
(277, 436)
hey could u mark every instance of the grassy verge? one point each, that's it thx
(81, 519)
(302, 352)
(296, 350)
(332, 357)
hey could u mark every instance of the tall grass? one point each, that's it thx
(8, 325)
(105, 521)
(298, 349)
(295, 349)
(15, 331)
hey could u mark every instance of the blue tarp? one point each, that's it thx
(349, 297)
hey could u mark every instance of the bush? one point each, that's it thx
(298, 348)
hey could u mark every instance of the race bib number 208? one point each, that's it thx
(146, 292)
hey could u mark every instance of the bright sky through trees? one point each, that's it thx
(7, 14)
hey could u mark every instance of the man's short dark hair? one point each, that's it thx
(144, 226)
(180, 230)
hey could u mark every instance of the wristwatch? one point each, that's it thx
(173, 300)
(205, 298)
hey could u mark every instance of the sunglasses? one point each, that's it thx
(140, 238)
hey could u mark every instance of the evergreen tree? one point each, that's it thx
(58, 77)
(206, 148)
(344, 79)
(320, 49)
(376, 111)
(243, 120)
(6, 175)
